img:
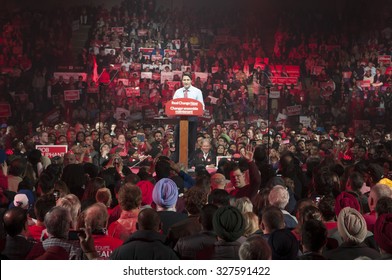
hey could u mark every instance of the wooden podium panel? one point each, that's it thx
(183, 145)
(184, 108)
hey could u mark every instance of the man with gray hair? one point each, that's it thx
(218, 181)
(204, 156)
(96, 218)
(57, 222)
(376, 192)
(279, 197)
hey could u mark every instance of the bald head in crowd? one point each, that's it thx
(218, 181)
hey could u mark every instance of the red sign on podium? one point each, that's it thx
(184, 107)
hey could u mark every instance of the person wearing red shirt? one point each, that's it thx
(96, 218)
(41, 207)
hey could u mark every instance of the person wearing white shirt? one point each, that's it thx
(188, 91)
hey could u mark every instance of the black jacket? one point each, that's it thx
(188, 247)
(144, 245)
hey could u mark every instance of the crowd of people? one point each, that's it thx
(293, 155)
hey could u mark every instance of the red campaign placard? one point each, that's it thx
(136, 66)
(386, 59)
(184, 107)
(207, 116)
(142, 32)
(132, 91)
(146, 50)
(263, 101)
(284, 80)
(293, 110)
(124, 81)
(118, 29)
(51, 151)
(364, 84)
(71, 95)
(156, 76)
(170, 52)
(347, 75)
(5, 110)
(92, 89)
(156, 57)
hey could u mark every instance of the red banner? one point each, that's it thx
(184, 107)
(170, 52)
(71, 95)
(386, 59)
(156, 57)
(156, 76)
(5, 110)
(347, 75)
(364, 84)
(146, 50)
(284, 80)
(142, 32)
(132, 91)
(293, 110)
(51, 151)
(207, 116)
(118, 29)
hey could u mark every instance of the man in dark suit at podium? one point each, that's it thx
(188, 91)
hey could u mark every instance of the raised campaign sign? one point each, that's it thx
(51, 151)
(184, 107)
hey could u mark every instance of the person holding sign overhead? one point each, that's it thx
(188, 91)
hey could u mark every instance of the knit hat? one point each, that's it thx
(146, 187)
(351, 225)
(165, 193)
(383, 232)
(283, 244)
(346, 199)
(23, 199)
(228, 223)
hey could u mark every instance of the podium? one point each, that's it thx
(184, 108)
